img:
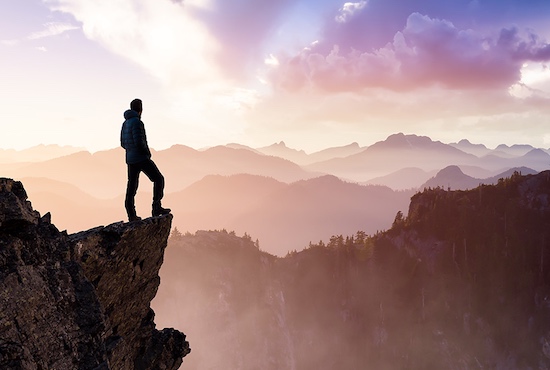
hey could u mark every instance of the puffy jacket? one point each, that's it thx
(133, 138)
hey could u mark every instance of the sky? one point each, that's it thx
(311, 73)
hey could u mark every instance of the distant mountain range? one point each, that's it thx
(401, 151)
(267, 192)
(300, 157)
(103, 174)
(452, 178)
(37, 153)
(281, 216)
(400, 162)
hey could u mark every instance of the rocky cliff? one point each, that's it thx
(80, 301)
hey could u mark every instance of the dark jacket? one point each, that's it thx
(133, 138)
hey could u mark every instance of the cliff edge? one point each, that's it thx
(80, 301)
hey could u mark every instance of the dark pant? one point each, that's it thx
(150, 169)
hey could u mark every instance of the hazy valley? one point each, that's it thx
(281, 196)
(408, 254)
(461, 281)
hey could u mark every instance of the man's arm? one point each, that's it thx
(121, 136)
(140, 138)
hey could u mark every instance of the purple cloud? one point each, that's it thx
(379, 20)
(427, 52)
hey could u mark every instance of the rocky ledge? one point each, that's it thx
(80, 301)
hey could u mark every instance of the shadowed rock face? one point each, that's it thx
(82, 300)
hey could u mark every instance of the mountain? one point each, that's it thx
(334, 152)
(405, 178)
(240, 146)
(503, 150)
(459, 282)
(396, 152)
(309, 210)
(302, 158)
(103, 174)
(281, 216)
(281, 150)
(80, 301)
(536, 159)
(479, 150)
(411, 151)
(64, 201)
(215, 201)
(476, 171)
(453, 178)
(516, 150)
(37, 153)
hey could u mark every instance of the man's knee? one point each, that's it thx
(132, 186)
(160, 179)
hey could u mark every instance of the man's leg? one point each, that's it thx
(131, 190)
(150, 169)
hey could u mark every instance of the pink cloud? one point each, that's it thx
(427, 52)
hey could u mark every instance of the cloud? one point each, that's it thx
(183, 42)
(378, 22)
(9, 42)
(160, 36)
(348, 10)
(53, 29)
(427, 52)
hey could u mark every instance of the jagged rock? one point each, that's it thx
(14, 207)
(80, 301)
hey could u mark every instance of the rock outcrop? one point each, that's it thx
(80, 301)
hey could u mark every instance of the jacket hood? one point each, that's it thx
(130, 114)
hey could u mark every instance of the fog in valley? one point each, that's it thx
(277, 258)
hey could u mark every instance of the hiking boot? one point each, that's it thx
(134, 218)
(159, 211)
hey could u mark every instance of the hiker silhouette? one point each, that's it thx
(138, 159)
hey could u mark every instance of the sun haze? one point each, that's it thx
(311, 73)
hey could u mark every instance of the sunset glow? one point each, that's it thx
(312, 73)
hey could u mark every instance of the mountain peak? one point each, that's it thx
(537, 153)
(450, 171)
(281, 145)
(451, 177)
(401, 139)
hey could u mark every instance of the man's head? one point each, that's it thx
(136, 105)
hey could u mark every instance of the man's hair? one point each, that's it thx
(136, 105)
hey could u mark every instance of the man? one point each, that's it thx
(138, 159)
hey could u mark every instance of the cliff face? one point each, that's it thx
(82, 300)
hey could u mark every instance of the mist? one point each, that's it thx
(443, 288)
(278, 265)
